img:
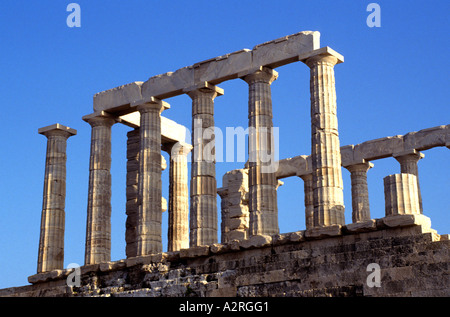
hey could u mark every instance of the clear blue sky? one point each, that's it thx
(394, 80)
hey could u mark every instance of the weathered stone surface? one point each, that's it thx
(413, 263)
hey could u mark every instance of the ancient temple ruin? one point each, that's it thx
(253, 258)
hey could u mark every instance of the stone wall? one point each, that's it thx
(413, 259)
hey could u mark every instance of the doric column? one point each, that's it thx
(203, 210)
(262, 182)
(309, 200)
(132, 208)
(401, 194)
(51, 242)
(408, 164)
(148, 230)
(360, 191)
(98, 225)
(178, 233)
(325, 151)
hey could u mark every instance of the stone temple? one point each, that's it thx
(328, 258)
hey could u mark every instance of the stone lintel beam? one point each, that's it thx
(392, 146)
(270, 54)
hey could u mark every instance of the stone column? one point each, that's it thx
(178, 235)
(149, 226)
(203, 210)
(325, 151)
(262, 181)
(132, 208)
(309, 200)
(98, 226)
(51, 242)
(408, 164)
(234, 203)
(401, 194)
(360, 191)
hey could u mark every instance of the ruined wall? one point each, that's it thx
(413, 258)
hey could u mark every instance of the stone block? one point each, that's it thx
(255, 241)
(169, 84)
(378, 148)
(193, 252)
(323, 232)
(118, 97)
(223, 68)
(361, 226)
(285, 50)
(393, 221)
(426, 138)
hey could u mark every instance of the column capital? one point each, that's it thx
(57, 130)
(203, 88)
(101, 118)
(324, 54)
(149, 104)
(177, 148)
(408, 155)
(358, 166)
(259, 74)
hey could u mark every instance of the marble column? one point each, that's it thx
(178, 233)
(51, 242)
(98, 226)
(262, 181)
(401, 194)
(325, 151)
(203, 204)
(309, 199)
(360, 191)
(149, 226)
(408, 164)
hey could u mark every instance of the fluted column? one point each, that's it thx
(98, 226)
(178, 233)
(149, 226)
(262, 182)
(325, 151)
(51, 242)
(360, 191)
(203, 205)
(309, 200)
(408, 164)
(401, 194)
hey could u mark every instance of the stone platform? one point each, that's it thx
(413, 258)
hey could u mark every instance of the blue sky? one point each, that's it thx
(394, 81)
